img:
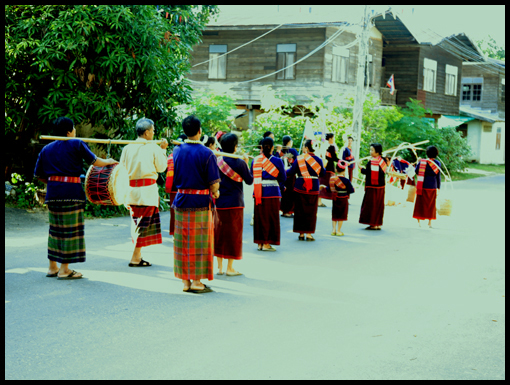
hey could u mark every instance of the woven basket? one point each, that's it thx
(411, 194)
(445, 207)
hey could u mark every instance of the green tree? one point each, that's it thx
(490, 48)
(99, 64)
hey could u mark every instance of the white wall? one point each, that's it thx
(488, 152)
(473, 139)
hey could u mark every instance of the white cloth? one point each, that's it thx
(143, 161)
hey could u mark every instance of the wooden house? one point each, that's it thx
(328, 70)
(425, 66)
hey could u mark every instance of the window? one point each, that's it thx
(429, 75)
(472, 89)
(370, 71)
(285, 56)
(217, 66)
(498, 139)
(451, 80)
(340, 65)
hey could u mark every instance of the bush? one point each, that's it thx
(25, 192)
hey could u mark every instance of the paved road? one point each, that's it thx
(402, 303)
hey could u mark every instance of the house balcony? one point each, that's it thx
(386, 98)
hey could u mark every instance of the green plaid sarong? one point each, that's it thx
(66, 240)
(193, 245)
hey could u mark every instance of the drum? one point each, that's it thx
(107, 185)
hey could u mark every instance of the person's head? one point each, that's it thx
(341, 166)
(309, 145)
(268, 134)
(375, 149)
(145, 128)
(64, 126)
(287, 140)
(330, 138)
(432, 152)
(267, 146)
(349, 141)
(191, 126)
(229, 142)
(209, 142)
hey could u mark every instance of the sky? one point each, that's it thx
(477, 21)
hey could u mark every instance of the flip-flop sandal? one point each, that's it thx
(220, 273)
(370, 228)
(71, 276)
(141, 264)
(301, 238)
(333, 233)
(186, 291)
(52, 275)
(234, 274)
(310, 239)
(322, 205)
(339, 234)
(270, 249)
(206, 289)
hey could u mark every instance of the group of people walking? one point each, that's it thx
(207, 199)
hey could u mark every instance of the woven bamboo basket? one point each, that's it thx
(411, 194)
(445, 207)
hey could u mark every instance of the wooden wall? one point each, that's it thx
(437, 101)
(402, 62)
(491, 89)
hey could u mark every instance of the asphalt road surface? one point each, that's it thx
(401, 303)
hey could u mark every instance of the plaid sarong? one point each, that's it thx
(301, 159)
(193, 245)
(66, 240)
(146, 226)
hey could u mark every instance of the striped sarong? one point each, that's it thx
(146, 225)
(66, 240)
(193, 245)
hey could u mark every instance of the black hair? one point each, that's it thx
(338, 169)
(229, 142)
(210, 140)
(377, 147)
(267, 145)
(191, 125)
(62, 126)
(432, 152)
(350, 137)
(308, 144)
(267, 133)
(286, 139)
(183, 137)
(329, 136)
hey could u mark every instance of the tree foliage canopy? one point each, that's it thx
(98, 64)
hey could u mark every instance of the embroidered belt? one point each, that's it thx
(67, 179)
(194, 192)
(270, 183)
(308, 177)
(141, 182)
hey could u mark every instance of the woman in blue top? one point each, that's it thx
(60, 165)
(228, 233)
(289, 155)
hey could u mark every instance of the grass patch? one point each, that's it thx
(497, 168)
(463, 176)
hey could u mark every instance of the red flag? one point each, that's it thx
(391, 84)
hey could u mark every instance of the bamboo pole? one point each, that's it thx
(413, 145)
(119, 141)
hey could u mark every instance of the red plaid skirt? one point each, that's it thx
(372, 208)
(425, 205)
(228, 234)
(193, 245)
(305, 213)
(146, 225)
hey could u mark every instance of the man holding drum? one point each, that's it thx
(60, 165)
(143, 161)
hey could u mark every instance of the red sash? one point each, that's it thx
(301, 159)
(260, 163)
(67, 179)
(421, 173)
(227, 170)
(374, 166)
(169, 173)
(142, 182)
(335, 181)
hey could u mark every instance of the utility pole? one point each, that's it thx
(357, 113)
